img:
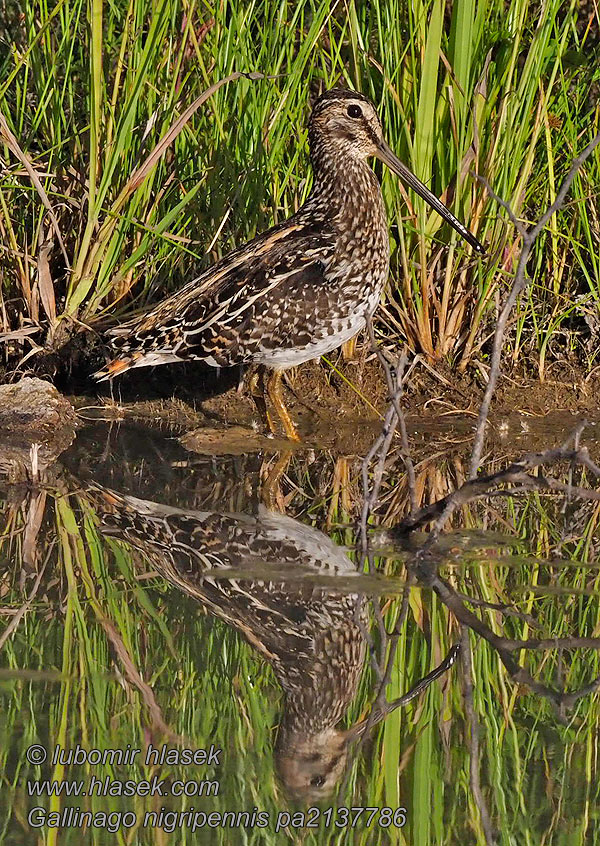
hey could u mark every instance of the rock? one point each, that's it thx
(35, 407)
(36, 424)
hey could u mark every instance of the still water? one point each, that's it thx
(192, 650)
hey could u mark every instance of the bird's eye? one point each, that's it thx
(354, 111)
(318, 781)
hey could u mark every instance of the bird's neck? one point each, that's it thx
(344, 184)
(320, 689)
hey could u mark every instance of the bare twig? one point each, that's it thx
(502, 607)
(394, 416)
(484, 486)
(395, 376)
(395, 386)
(427, 574)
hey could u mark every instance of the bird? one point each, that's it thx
(294, 595)
(274, 580)
(300, 289)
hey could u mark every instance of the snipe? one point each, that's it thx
(302, 288)
(291, 596)
(310, 635)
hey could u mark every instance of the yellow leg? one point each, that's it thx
(274, 392)
(349, 349)
(341, 482)
(256, 384)
(271, 494)
(257, 393)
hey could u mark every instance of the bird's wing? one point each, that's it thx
(294, 250)
(189, 548)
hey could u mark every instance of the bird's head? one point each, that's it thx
(310, 766)
(346, 124)
(347, 121)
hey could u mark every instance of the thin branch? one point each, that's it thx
(485, 486)
(502, 607)
(395, 377)
(395, 386)
(427, 573)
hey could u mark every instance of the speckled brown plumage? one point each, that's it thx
(311, 636)
(302, 288)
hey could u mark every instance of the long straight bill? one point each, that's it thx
(393, 162)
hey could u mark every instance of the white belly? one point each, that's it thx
(283, 358)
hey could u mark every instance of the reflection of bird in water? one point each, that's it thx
(311, 637)
(304, 287)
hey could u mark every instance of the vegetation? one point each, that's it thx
(88, 89)
(64, 680)
(119, 182)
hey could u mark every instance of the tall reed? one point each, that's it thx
(89, 88)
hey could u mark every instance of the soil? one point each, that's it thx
(339, 408)
(320, 399)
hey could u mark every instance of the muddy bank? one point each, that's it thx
(327, 404)
(320, 395)
(339, 406)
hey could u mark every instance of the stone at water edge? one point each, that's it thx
(33, 412)
(35, 407)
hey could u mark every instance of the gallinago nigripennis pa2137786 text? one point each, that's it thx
(302, 288)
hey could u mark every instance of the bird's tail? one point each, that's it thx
(117, 366)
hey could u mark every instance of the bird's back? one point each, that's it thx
(293, 293)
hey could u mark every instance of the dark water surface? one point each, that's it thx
(196, 648)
